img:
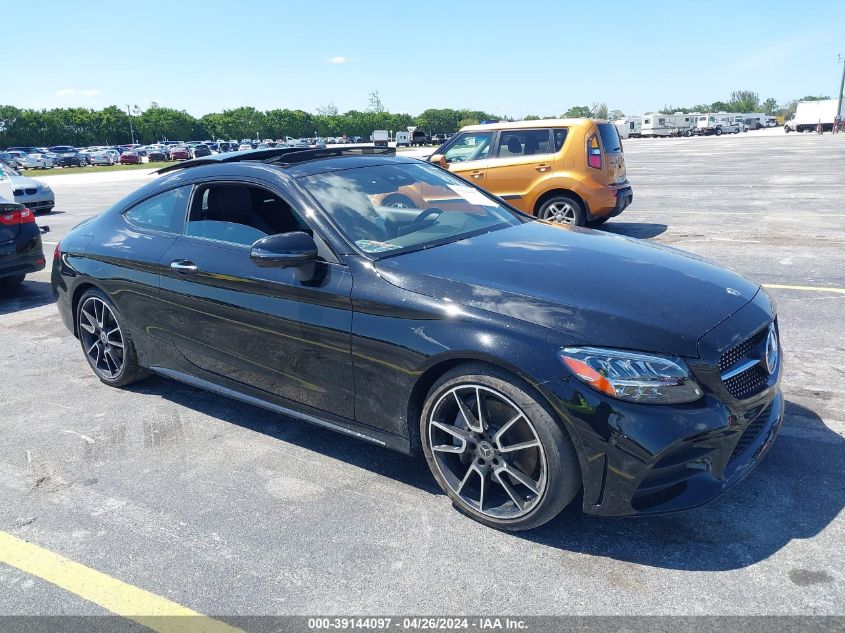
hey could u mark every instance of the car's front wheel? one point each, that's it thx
(496, 451)
(562, 210)
(106, 342)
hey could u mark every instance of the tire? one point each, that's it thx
(11, 282)
(399, 201)
(718, 131)
(562, 209)
(688, 133)
(522, 488)
(101, 342)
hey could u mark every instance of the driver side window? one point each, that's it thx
(240, 214)
(469, 146)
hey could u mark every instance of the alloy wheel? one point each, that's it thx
(560, 213)
(102, 338)
(487, 451)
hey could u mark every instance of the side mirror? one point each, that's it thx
(44, 229)
(287, 250)
(438, 159)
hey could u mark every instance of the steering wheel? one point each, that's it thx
(423, 220)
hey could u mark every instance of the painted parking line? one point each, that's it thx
(143, 607)
(840, 291)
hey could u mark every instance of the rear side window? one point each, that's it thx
(610, 137)
(523, 143)
(560, 138)
(164, 212)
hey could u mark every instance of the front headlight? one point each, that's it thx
(632, 376)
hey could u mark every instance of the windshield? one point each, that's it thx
(405, 206)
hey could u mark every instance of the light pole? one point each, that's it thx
(131, 130)
(840, 60)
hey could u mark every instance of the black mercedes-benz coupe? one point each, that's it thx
(530, 362)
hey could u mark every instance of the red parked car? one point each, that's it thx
(179, 153)
(130, 158)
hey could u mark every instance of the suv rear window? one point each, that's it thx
(610, 137)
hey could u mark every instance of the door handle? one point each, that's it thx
(183, 266)
(477, 174)
(542, 168)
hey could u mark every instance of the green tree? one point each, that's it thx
(577, 112)
(615, 115)
(531, 117)
(375, 104)
(467, 121)
(744, 101)
(599, 111)
(770, 106)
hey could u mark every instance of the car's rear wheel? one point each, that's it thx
(107, 345)
(496, 451)
(561, 209)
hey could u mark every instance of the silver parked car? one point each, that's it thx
(31, 193)
(23, 160)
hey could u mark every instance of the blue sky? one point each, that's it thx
(508, 58)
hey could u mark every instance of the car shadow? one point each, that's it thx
(412, 470)
(29, 294)
(793, 494)
(642, 230)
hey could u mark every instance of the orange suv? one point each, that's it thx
(569, 171)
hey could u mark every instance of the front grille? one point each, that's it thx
(751, 432)
(747, 383)
(754, 378)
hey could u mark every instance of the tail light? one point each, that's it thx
(594, 153)
(58, 252)
(17, 216)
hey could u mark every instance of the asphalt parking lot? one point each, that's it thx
(231, 510)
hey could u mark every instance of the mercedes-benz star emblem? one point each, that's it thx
(772, 351)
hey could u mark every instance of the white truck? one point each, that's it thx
(808, 115)
(657, 124)
(716, 124)
(380, 138)
(403, 139)
(629, 127)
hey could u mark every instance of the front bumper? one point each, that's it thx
(38, 201)
(651, 459)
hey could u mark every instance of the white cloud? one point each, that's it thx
(70, 92)
(337, 59)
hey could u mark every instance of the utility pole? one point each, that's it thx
(840, 60)
(131, 131)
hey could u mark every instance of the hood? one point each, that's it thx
(599, 288)
(23, 182)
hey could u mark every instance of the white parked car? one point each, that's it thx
(104, 157)
(31, 161)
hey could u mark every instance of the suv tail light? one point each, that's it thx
(58, 252)
(17, 216)
(594, 153)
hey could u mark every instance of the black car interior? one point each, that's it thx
(252, 207)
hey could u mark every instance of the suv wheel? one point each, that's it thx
(562, 210)
(496, 451)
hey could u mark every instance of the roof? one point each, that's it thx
(282, 156)
(511, 125)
